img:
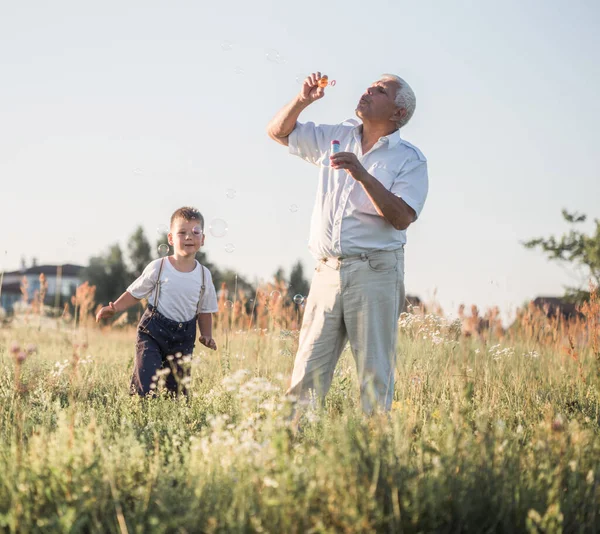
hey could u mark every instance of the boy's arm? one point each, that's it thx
(125, 301)
(205, 327)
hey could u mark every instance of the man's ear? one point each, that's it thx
(399, 114)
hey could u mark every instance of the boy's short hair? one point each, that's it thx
(188, 214)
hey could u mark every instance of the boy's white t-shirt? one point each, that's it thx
(179, 294)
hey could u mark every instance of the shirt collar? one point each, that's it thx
(392, 139)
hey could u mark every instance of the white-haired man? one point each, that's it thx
(367, 196)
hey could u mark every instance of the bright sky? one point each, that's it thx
(114, 116)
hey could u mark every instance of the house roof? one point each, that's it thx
(68, 269)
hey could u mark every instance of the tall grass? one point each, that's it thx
(495, 432)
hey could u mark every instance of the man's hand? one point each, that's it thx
(311, 91)
(208, 342)
(349, 162)
(105, 312)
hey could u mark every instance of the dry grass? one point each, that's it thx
(491, 430)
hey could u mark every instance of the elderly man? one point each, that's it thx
(368, 194)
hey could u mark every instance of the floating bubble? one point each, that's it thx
(274, 294)
(229, 247)
(228, 304)
(163, 250)
(298, 299)
(137, 171)
(71, 241)
(231, 193)
(300, 78)
(273, 55)
(162, 229)
(239, 71)
(218, 227)
(294, 208)
(226, 46)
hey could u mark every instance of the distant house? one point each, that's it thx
(62, 280)
(554, 306)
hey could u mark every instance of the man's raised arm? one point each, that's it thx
(284, 122)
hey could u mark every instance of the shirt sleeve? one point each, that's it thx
(208, 302)
(310, 141)
(143, 286)
(412, 185)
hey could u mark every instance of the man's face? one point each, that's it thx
(378, 102)
(186, 237)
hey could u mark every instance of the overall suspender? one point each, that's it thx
(202, 288)
(157, 287)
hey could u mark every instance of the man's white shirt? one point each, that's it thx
(344, 221)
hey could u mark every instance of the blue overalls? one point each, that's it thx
(157, 338)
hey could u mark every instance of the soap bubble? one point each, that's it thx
(229, 247)
(137, 171)
(294, 208)
(230, 193)
(275, 57)
(218, 227)
(71, 241)
(163, 250)
(197, 230)
(226, 46)
(298, 299)
(239, 70)
(274, 294)
(228, 304)
(300, 78)
(162, 229)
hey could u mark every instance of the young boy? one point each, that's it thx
(179, 291)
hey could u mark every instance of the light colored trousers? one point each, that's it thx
(357, 299)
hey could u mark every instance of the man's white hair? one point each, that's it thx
(405, 97)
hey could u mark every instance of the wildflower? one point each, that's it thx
(270, 483)
(573, 465)
(558, 424)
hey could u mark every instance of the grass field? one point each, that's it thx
(486, 434)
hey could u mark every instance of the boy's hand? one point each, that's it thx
(105, 312)
(208, 342)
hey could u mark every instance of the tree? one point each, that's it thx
(109, 274)
(298, 284)
(576, 248)
(139, 251)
